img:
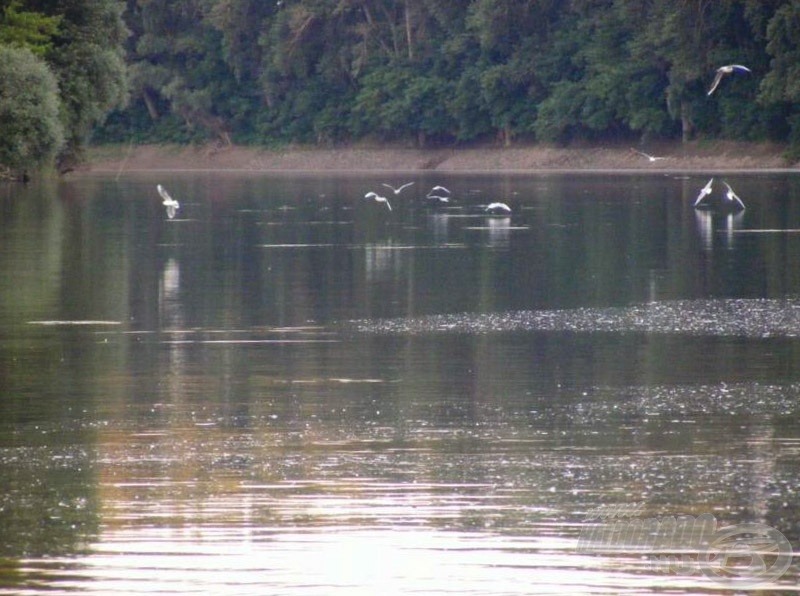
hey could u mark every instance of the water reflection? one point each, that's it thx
(290, 394)
(710, 225)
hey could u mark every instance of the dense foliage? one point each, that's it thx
(434, 71)
(427, 71)
(63, 65)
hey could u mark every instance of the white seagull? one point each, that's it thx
(726, 70)
(650, 158)
(399, 189)
(704, 192)
(498, 209)
(732, 196)
(171, 204)
(378, 198)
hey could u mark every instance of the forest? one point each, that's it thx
(422, 72)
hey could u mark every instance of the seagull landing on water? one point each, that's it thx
(397, 190)
(726, 70)
(378, 198)
(733, 199)
(704, 192)
(498, 209)
(650, 158)
(171, 204)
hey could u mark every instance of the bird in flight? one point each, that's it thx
(498, 209)
(171, 204)
(722, 71)
(732, 196)
(650, 158)
(397, 190)
(379, 199)
(704, 192)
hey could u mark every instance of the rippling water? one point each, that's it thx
(289, 390)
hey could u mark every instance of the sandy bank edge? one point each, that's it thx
(716, 156)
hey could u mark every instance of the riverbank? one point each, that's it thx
(697, 156)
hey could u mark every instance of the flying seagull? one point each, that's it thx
(379, 199)
(171, 204)
(399, 189)
(732, 196)
(726, 70)
(498, 209)
(704, 192)
(650, 158)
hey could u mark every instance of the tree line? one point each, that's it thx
(62, 69)
(423, 71)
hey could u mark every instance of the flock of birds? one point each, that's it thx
(731, 202)
(440, 196)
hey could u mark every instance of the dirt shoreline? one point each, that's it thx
(710, 156)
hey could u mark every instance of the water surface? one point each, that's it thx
(290, 389)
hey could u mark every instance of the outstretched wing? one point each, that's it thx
(163, 192)
(717, 79)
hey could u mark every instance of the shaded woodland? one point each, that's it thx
(422, 72)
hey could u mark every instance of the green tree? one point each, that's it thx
(88, 61)
(29, 111)
(31, 30)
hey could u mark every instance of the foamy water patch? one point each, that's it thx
(726, 317)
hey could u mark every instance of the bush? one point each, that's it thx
(32, 133)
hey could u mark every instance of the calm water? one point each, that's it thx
(289, 389)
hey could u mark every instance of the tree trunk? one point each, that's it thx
(147, 95)
(687, 128)
(409, 36)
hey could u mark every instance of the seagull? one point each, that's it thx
(732, 196)
(650, 158)
(726, 70)
(704, 192)
(171, 204)
(398, 189)
(378, 198)
(498, 209)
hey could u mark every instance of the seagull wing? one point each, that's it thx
(171, 210)
(498, 207)
(437, 189)
(388, 205)
(393, 189)
(717, 79)
(163, 192)
(404, 186)
(740, 68)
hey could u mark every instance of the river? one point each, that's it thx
(289, 388)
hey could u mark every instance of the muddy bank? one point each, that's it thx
(716, 156)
